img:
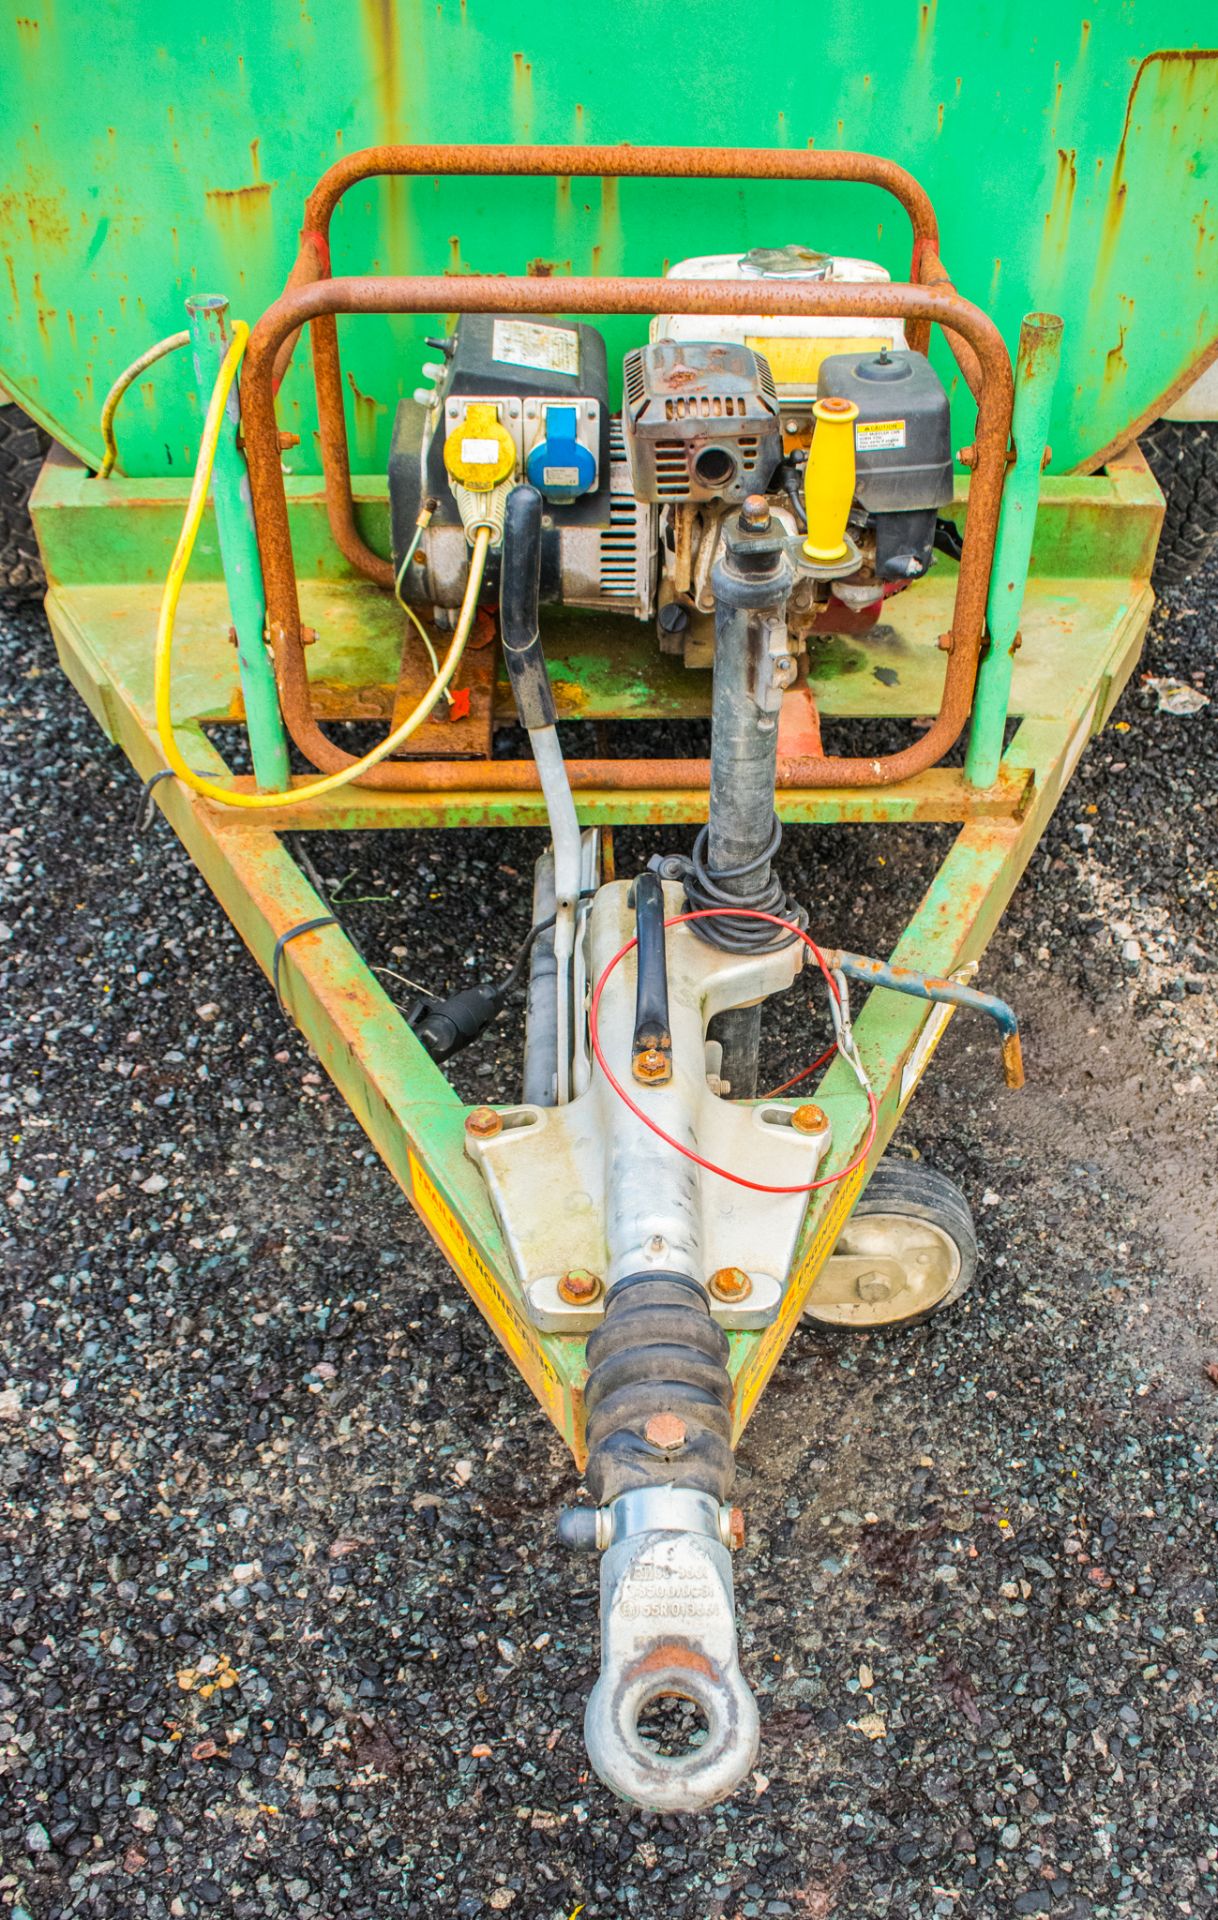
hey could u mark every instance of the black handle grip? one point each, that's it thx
(519, 583)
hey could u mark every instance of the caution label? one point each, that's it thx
(760, 1364)
(518, 1337)
(876, 436)
(519, 343)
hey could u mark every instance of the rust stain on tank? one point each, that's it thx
(522, 95)
(254, 167)
(1179, 68)
(41, 213)
(240, 205)
(366, 410)
(45, 313)
(1115, 363)
(12, 281)
(26, 27)
(540, 269)
(1061, 207)
(381, 21)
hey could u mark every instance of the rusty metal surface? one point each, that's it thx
(329, 297)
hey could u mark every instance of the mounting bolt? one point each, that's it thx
(873, 1287)
(665, 1430)
(579, 1286)
(731, 1283)
(652, 1067)
(484, 1123)
(809, 1120)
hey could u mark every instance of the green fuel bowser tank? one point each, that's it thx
(872, 493)
(148, 153)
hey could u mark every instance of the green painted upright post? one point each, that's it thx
(1040, 343)
(209, 335)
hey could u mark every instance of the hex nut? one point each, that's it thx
(484, 1123)
(666, 1430)
(809, 1120)
(578, 1286)
(731, 1284)
(873, 1287)
(755, 513)
(651, 1066)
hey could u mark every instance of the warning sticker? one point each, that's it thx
(519, 343)
(495, 1303)
(875, 436)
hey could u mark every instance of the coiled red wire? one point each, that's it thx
(737, 1179)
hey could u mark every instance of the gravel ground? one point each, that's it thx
(282, 1627)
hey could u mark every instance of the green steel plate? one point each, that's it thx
(149, 152)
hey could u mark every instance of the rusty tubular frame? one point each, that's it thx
(485, 295)
(569, 163)
(686, 163)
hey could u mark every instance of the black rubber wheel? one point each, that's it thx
(23, 447)
(910, 1218)
(1183, 456)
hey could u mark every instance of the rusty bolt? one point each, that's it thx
(735, 1529)
(652, 1066)
(232, 636)
(484, 1123)
(579, 1286)
(1045, 458)
(809, 1120)
(666, 1430)
(731, 1283)
(967, 456)
(755, 513)
(287, 440)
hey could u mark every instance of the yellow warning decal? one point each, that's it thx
(760, 1363)
(516, 1335)
(873, 436)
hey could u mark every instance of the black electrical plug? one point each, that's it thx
(447, 1026)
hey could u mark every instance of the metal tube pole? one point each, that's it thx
(752, 669)
(1040, 340)
(209, 337)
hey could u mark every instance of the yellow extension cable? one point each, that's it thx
(211, 789)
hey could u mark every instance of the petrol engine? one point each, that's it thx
(835, 423)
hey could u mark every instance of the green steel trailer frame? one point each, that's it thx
(288, 621)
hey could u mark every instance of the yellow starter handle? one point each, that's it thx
(195, 506)
(829, 479)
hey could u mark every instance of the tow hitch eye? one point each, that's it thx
(668, 1629)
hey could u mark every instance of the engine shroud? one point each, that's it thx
(701, 421)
